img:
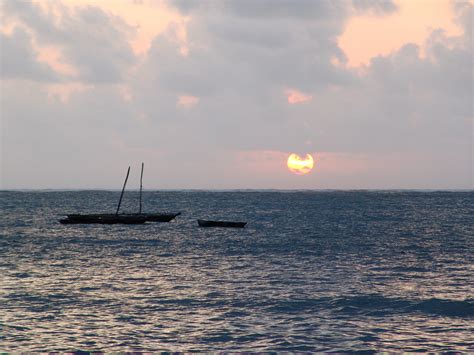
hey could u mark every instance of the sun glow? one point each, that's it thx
(299, 165)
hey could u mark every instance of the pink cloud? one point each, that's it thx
(53, 56)
(296, 97)
(187, 101)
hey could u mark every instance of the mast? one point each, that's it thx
(141, 187)
(123, 189)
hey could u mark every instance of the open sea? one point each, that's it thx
(312, 271)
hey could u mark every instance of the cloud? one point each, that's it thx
(187, 101)
(377, 7)
(276, 9)
(18, 59)
(306, 9)
(463, 12)
(296, 97)
(229, 52)
(92, 41)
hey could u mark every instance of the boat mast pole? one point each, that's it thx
(141, 178)
(123, 189)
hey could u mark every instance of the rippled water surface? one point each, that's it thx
(312, 271)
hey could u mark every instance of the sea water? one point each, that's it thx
(312, 271)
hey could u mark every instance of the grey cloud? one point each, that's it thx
(93, 41)
(265, 9)
(445, 71)
(31, 14)
(98, 46)
(252, 33)
(309, 10)
(464, 13)
(304, 9)
(378, 7)
(237, 54)
(18, 60)
(188, 6)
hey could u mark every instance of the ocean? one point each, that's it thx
(312, 271)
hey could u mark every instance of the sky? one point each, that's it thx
(217, 94)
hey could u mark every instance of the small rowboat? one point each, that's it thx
(204, 223)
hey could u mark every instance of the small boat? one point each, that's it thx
(204, 223)
(123, 218)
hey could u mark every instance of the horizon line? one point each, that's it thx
(237, 189)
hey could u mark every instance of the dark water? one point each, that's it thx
(313, 271)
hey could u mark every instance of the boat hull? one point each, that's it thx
(103, 219)
(137, 218)
(225, 224)
(157, 217)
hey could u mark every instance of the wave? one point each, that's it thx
(378, 305)
(449, 308)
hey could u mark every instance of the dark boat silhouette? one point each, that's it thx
(157, 217)
(227, 224)
(124, 218)
(103, 218)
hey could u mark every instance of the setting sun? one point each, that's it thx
(299, 165)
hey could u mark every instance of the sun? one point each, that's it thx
(299, 165)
